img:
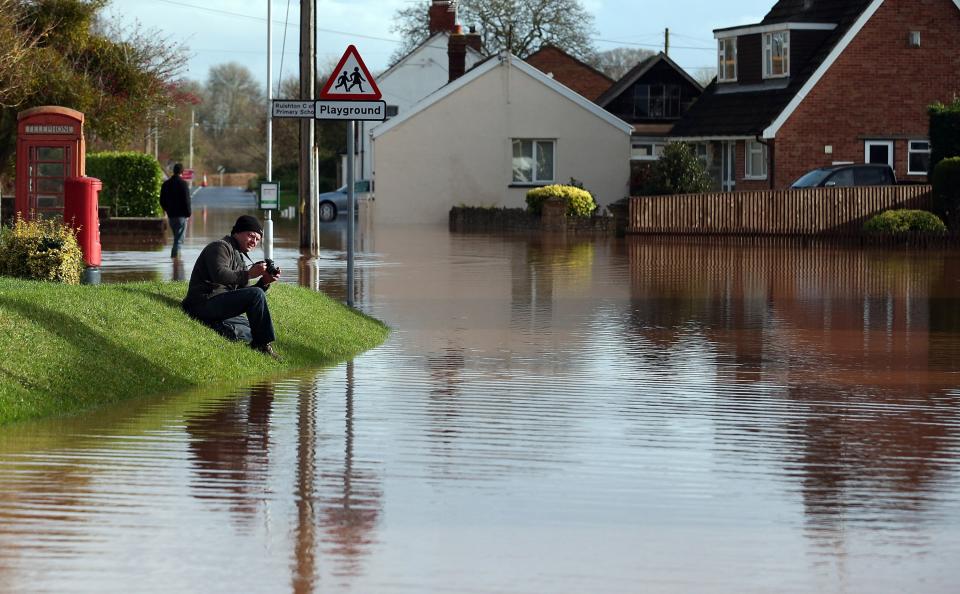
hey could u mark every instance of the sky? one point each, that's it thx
(219, 31)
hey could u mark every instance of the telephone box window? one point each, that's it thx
(50, 154)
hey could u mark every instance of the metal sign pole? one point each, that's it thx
(268, 224)
(351, 208)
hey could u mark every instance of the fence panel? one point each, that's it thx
(809, 211)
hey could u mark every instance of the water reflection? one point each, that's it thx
(549, 415)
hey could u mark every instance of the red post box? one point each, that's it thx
(50, 148)
(80, 212)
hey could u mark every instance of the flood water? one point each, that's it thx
(549, 415)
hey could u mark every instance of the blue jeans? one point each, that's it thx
(178, 225)
(248, 300)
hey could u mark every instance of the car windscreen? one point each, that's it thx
(811, 179)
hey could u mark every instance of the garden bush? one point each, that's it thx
(678, 171)
(41, 249)
(131, 182)
(944, 131)
(905, 221)
(946, 189)
(579, 201)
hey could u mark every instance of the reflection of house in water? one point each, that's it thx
(848, 337)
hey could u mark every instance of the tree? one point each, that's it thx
(678, 171)
(119, 78)
(519, 26)
(618, 61)
(233, 117)
(15, 48)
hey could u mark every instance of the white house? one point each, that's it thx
(421, 72)
(488, 137)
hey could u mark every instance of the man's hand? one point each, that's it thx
(268, 278)
(257, 269)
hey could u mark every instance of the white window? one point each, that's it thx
(727, 60)
(533, 161)
(776, 54)
(646, 151)
(918, 159)
(878, 151)
(756, 159)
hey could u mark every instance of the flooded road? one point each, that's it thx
(550, 415)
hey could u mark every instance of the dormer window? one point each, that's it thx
(727, 60)
(776, 54)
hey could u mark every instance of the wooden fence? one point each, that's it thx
(811, 211)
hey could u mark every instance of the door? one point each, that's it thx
(48, 168)
(879, 151)
(728, 169)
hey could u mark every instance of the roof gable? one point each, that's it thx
(638, 72)
(415, 53)
(504, 60)
(569, 71)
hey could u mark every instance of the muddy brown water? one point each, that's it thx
(550, 415)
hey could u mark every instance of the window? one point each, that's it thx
(533, 161)
(879, 151)
(646, 151)
(727, 60)
(656, 101)
(756, 159)
(776, 54)
(918, 157)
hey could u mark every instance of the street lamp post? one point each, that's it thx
(192, 126)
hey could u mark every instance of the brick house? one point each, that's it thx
(819, 82)
(569, 71)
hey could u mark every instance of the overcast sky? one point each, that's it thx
(219, 31)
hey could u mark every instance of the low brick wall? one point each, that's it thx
(469, 219)
(150, 230)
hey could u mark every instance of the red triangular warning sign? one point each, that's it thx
(350, 79)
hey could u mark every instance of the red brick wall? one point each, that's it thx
(570, 72)
(879, 88)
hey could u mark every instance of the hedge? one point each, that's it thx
(579, 201)
(131, 182)
(905, 221)
(946, 188)
(41, 249)
(944, 131)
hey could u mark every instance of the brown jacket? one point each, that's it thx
(220, 268)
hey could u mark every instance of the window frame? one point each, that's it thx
(749, 150)
(911, 152)
(656, 150)
(768, 61)
(535, 179)
(869, 143)
(722, 57)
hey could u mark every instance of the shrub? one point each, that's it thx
(678, 171)
(579, 202)
(905, 221)
(41, 249)
(946, 188)
(131, 182)
(944, 131)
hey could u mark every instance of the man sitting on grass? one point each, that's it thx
(219, 294)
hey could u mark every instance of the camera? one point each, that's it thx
(272, 269)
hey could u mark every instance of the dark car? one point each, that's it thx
(859, 174)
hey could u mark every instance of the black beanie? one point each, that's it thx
(247, 223)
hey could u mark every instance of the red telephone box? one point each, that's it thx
(50, 148)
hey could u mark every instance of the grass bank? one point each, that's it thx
(68, 348)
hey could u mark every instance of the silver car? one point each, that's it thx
(331, 204)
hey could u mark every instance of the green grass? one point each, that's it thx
(65, 348)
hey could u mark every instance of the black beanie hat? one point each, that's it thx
(247, 223)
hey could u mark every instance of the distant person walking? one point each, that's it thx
(175, 201)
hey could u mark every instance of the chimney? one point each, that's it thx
(443, 16)
(457, 53)
(473, 39)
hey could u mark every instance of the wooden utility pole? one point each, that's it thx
(309, 233)
(666, 41)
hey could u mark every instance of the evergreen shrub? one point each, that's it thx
(41, 249)
(946, 188)
(678, 171)
(579, 201)
(905, 221)
(131, 182)
(944, 131)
